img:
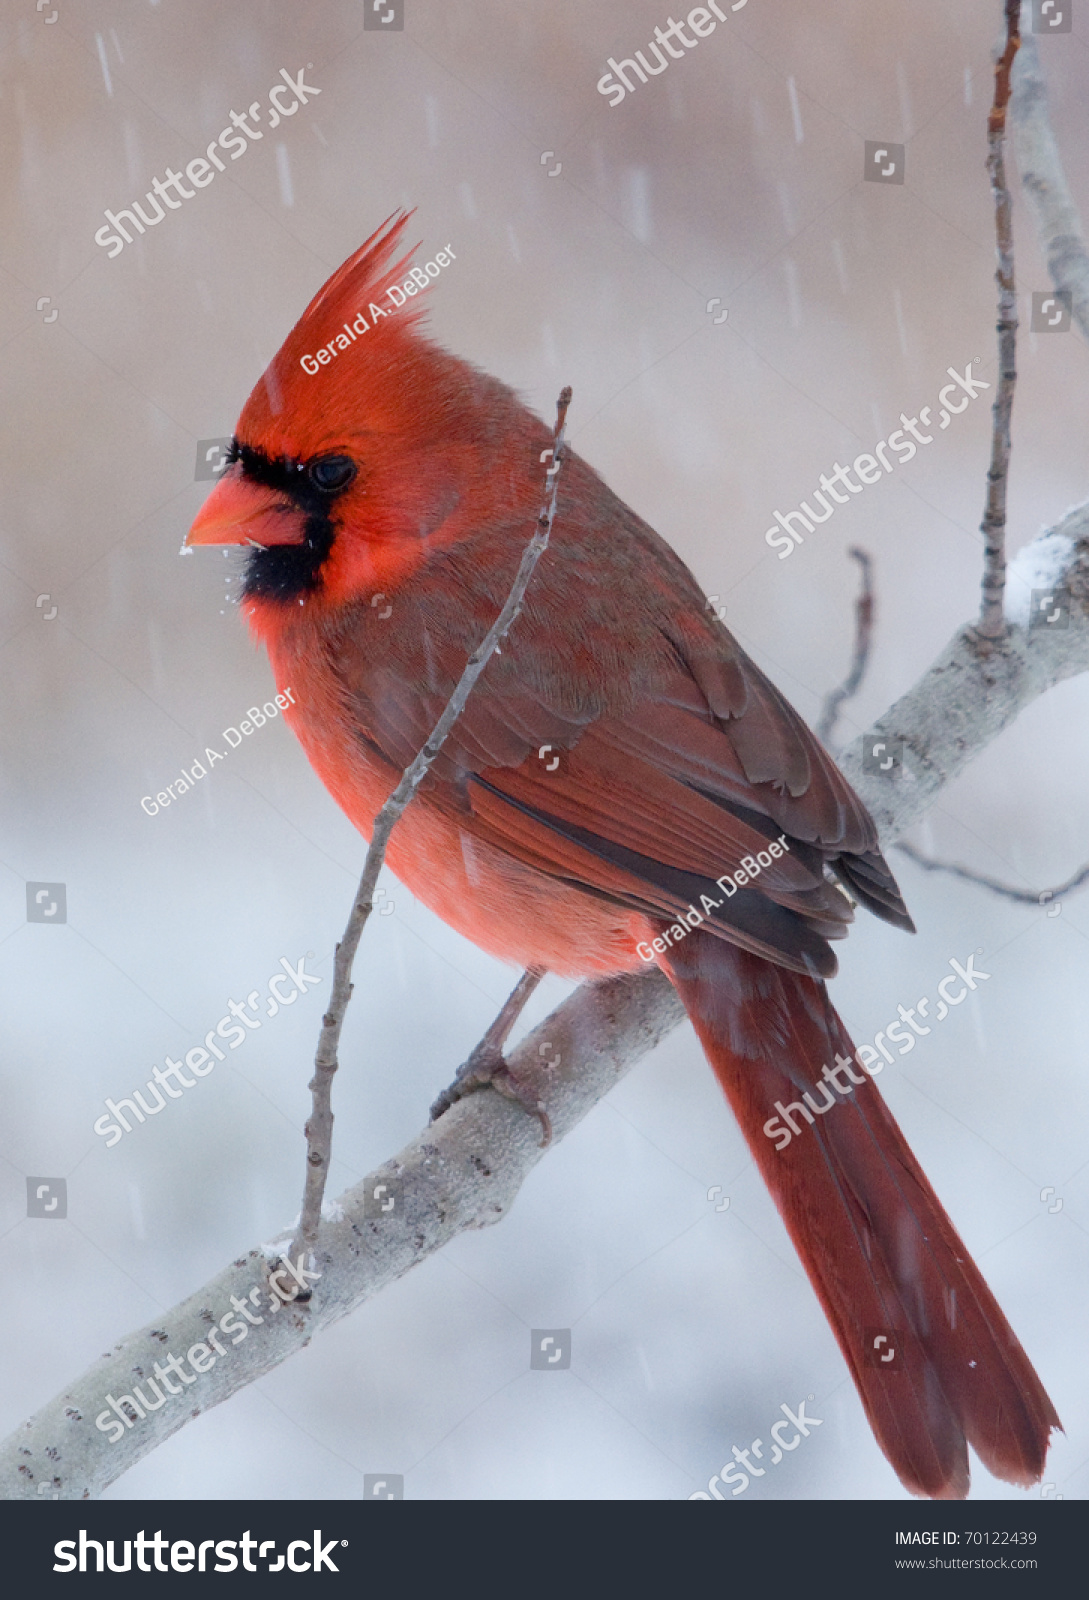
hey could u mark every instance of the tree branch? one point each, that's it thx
(1025, 897)
(993, 527)
(465, 1171)
(1058, 226)
(319, 1127)
(864, 619)
(976, 688)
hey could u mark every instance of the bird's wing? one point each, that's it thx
(639, 756)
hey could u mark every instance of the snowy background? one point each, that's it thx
(737, 173)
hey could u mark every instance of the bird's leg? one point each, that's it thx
(486, 1063)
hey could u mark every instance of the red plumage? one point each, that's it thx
(873, 1237)
(401, 472)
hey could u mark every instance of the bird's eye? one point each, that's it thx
(331, 473)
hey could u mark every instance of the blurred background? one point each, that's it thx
(736, 174)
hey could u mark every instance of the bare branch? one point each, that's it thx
(993, 527)
(1026, 897)
(976, 689)
(465, 1171)
(1043, 180)
(864, 618)
(462, 1172)
(319, 1127)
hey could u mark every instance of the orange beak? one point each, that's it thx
(239, 512)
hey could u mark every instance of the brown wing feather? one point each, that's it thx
(682, 758)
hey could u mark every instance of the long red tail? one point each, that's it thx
(872, 1235)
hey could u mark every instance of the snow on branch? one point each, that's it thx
(976, 688)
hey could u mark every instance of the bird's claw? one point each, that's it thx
(487, 1066)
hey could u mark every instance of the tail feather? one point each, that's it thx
(880, 1251)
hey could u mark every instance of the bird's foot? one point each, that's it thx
(486, 1065)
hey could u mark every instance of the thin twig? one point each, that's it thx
(319, 1127)
(1043, 181)
(1026, 897)
(992, 623)
(864, 617)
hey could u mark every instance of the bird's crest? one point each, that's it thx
(355, 322)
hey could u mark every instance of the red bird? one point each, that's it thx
(395, 475)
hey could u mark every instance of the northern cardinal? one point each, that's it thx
(388, 490)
